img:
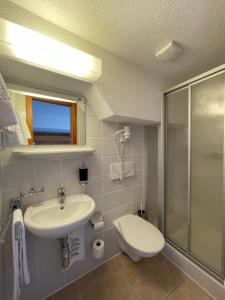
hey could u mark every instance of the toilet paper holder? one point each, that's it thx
(97, 219)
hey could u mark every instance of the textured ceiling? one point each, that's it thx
(136, 29)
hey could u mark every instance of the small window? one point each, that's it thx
(51, 121)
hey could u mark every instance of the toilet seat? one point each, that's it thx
(143, 237)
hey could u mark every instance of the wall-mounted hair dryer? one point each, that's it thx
(123, 134)
(120, 138)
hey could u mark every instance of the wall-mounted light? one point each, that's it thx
(26, 45)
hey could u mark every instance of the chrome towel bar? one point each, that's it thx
(13, 204)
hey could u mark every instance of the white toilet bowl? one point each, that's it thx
(137, 237)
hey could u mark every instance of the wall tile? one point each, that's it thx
(94, 186)
(138, 162)
(93, 127)
(30, 293)
(108, 147)
(109, 185)
(110, 201)
(109, 217)
(50, 285)
(98, 202)
(137, 146)
(114, 198)
(70, 176)
(89, 112)
(125, 196)
(111, 251)
(110, 237)
(138, 178)
(95, 143)
(125, 209)
(45, 246)
(50, 192)
(6, 258)
(138, 193)
(109, 129)
(18, 175)
(137, 131)
(47, 172)
(94, 165)
(75, 271)
(6, 195)
(107, 160)
(54, 263)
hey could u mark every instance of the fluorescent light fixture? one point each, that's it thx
(22, 90)
(26, 45)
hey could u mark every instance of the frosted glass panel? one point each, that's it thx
(177, 167)
(207, 134)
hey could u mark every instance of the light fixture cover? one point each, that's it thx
(23, 44)
(169, 53)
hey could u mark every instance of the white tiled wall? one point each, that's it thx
(113, 198)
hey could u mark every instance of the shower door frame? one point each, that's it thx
(187, 252)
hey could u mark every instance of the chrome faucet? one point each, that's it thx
(31, 192)
(61, 195)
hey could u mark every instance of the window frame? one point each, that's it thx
(73, 116)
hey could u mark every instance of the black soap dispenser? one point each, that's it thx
(83, 174)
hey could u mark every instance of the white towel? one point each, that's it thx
(7, 111)
(20, 267)
(23, 125)
(15, 135)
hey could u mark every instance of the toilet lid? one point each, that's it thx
(141, 235)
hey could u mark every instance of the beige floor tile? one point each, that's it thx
(149, 290)
(167, 276)
(87, 282)
(123, 266)
(103, 272)
(121, 279)
(189, 290)
(70, 292)
(148, 265)
(119, 286)
(161, 258)
(97, 293)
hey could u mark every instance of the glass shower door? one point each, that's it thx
(177, 167)
(206, 177)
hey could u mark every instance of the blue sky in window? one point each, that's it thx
(48, 117)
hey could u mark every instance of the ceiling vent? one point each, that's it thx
(169, 53)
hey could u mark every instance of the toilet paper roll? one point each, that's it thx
(98, 248)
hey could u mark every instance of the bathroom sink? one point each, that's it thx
(50, 219)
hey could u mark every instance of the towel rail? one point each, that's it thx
(13, 204)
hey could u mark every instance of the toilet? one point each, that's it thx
(137, 237)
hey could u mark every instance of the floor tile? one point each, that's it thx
(70, 292)
(149, 290)
(189, 290)
(119, 286)
(167, 276)
(153, 278)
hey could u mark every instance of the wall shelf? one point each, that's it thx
(52, 151)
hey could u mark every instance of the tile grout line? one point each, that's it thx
(178, 284)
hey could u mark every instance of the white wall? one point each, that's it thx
(112, 198)
(129, 90)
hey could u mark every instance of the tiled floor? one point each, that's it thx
(121, 279)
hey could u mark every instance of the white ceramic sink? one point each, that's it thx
(51, 219)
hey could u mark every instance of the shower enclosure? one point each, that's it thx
(194, 215)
